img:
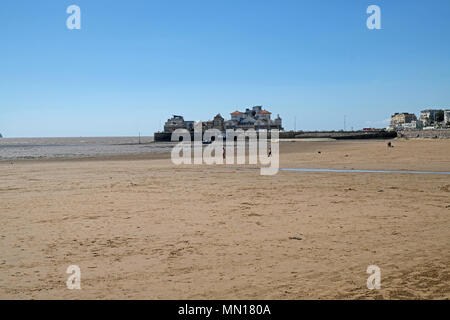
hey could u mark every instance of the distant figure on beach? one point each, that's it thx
(270, 152)
(224, 153)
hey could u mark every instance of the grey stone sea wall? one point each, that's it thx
(425, 134)
(344, 135)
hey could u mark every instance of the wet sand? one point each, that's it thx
(142, 228)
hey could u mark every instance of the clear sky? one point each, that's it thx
(135, 63)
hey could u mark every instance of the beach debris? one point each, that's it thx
(295, 238)
(390, 145)
(380, 191)
(319, 152)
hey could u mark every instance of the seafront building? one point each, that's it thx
(429, 119)
(404, 120)
(447, 117)
(430, 116)
(178, 122)
(256, 118)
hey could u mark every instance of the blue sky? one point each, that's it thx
(135, 63)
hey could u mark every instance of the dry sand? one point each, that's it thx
(145, 229)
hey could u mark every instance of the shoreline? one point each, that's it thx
(116, 157)
(164, 150)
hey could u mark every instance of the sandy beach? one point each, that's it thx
(143, 228)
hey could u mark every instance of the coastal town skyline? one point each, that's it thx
(425, 118)
(315, 63)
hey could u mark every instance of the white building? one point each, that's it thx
(428, 117)
(413, 125)
(447, 117)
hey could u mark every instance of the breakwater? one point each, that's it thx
(425, 134)
(339, 135)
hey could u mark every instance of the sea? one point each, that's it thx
(83, 147)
